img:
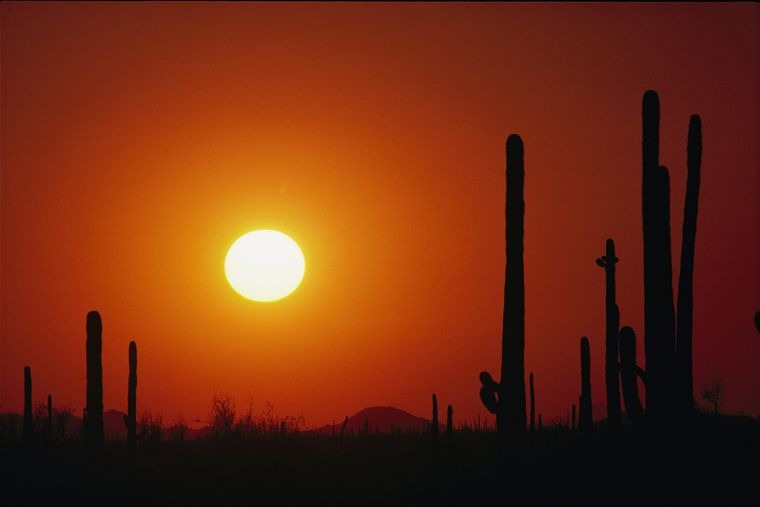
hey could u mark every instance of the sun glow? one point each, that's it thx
(264, 265)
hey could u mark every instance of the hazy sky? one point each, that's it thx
(140, 140)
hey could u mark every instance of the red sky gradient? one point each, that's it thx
(139, 141)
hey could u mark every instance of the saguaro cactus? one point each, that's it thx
(584, 418)
(94, 422)
(668, 355)
(612, 324)
(434, 421)
(131, 417)
(49, 432)
(628, 373)
(685, 315)
(449, 421)
(28, 432)
(507, 397)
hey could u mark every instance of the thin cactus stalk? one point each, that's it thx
(584, 404)
(612, 324)
(449, 421)
(131, 417)
(506, 398)
(434, 422)
(572, 427)
(49, 432)
(532, 405)
(684, 322)
(28, 431)
(628, 373)
(94, 345)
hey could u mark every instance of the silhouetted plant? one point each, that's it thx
(94, 420)
(131, 418)
(532, 405)
(222, 413)
(712, 394)
(28, 428)
(584, 403)
(572, 425)
(434, 422)
(449, 421)
(668, 344)
(612, 325)
(507, 398)
(628, 373)
(49, 423)
(757, 321)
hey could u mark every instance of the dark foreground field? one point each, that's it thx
(717, 463)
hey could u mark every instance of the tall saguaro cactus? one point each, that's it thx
(612, 325)
(685, 313)
(507, 397)
(584, 417)
(131, 417)
(28, 432)
(667, 341)
(628, 373)
(94, 423)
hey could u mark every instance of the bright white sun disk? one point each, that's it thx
(264, 265)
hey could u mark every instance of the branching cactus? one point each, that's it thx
(434, 422)
(612, 323)
(667, 341)
(506, 398)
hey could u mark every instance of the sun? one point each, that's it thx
(264, 265)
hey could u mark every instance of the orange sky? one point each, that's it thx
(139, 141)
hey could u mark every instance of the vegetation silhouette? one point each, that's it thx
(507, 397)
(28, 436)
(612, 325)
(584, 403)
(93, 431)
(130, 419)
(668, 344)
(711, 459)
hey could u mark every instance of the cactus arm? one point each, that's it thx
(489, 392)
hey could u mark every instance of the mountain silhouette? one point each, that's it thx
(379, 420)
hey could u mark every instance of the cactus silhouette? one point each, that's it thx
(93, 435)
(131, 418)
(49, 424)
(584, 403)
(449, 420)
(507, 397)
(628, 373)
(667, 342)
(28, 428)
(572, 427)
(532, 405)
(434, 422)
(757, 321)
(612, 324)
(685, 311)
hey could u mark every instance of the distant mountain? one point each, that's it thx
(379, 420)
(113, 424)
